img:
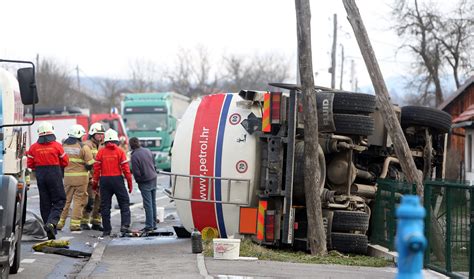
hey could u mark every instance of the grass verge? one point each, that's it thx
(251, 249)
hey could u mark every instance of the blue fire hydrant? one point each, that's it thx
(410, 241)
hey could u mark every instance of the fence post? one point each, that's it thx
(427, 206)
(448, 230)
(471, 238)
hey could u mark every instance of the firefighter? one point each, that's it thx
(76, 177)
(46, 157)
(91, 212)
(111, 162)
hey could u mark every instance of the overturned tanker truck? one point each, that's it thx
(238, 159)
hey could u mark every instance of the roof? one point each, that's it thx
(468, 114)
(457, 93)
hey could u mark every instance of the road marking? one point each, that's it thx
(28, 260)
(202, 266)
(38, 253)
(76, 232)
(20, 269)
(66, 238)
(34, 197)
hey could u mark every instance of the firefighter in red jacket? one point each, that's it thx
(110, 163)
(47, 158)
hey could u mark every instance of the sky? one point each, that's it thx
(104, 37)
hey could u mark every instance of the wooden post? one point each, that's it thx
(402, 150)
(312, 174)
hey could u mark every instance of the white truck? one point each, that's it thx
(14, 94)
(238, 164)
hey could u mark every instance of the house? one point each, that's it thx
(461, 107)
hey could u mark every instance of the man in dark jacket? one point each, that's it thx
(143, 169)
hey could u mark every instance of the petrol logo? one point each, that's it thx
(235, 118)
(241, 166)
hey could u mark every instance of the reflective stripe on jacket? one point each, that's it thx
(76, 173)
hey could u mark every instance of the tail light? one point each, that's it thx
(276, 107)
(270, 225)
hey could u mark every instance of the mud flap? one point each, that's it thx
(327, 221)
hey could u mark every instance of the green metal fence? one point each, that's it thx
(449, 223)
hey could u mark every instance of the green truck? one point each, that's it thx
(152, 118)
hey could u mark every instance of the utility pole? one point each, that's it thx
(333, 54)
(312, 171)
(342, 66)
(37, 61)
(78, 79)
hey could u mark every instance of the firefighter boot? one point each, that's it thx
(60, 224)
(125, 229)
(85, 227)
(75, 226)
(50, 231)
(97, 227)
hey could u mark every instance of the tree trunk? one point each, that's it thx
(312, 175)
(402, 149)
(395, 131)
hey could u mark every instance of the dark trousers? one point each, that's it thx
(51, 192)
(109, 186)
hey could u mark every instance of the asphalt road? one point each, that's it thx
(39, 265)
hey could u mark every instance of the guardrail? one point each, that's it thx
(449, 223)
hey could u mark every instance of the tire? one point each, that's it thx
(16, 260)
(4, 271)
(349, 243)
(353, 103)
(349, 124)
(429, 117)
(346, 221)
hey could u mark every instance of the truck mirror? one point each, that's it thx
(26, 80)
(171, 124)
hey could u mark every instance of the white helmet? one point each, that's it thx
(45, 128)
(111, 135)
(96, 128)
(76, 131)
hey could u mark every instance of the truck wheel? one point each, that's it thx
(353, 103)
(4, 270)
(428, 117)
(350, 124)
(16, 260)
(350, 243)
(345, 221)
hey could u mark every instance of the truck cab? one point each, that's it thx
(153, 118)
(14, 94)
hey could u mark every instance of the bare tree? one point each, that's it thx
(192, 75)
(255, 72)
(111, 89)
(455, 34)
(54, 84)
(434, 40)
(144, 76)
(312, 171)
